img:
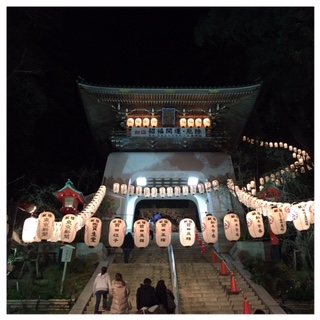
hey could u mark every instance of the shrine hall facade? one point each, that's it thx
(164, 138)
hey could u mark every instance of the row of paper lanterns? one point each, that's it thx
(300, 213)
(153, 122)
(302, 160)
(45, 228)
(162, 191)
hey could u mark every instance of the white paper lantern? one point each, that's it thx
(231, 224)
(255, 224)
(198, 122)
(201, 188)
(45, 225)
(310, 209)
(177, 191)
(154, 122)
(139, 191)
(146, 192)
(69, 228)
(163, 232)
(183, 122)
(130, 122)
(154, 192)
(29, 231)
(210, 229)
(124, 189)
(146, 122)
(138, 122)
(92, 233)
(162, 192)
(277, 220)
(187, 232)
(185, 190)
(300, 216)
(190, 122)
(170, 192)
(116, 187)
(131, 191)
(57, 232)
(207, 185)
(193, 189)
(141, 233)
(117, 232)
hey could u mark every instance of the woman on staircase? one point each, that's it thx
(165, 297)
(120, 292)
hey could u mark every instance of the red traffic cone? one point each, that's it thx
(246, 307)
(223, 269)
(213, 257)
(233, 286)
(203, 249)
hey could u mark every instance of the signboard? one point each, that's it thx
(66, 253)
(168, 132)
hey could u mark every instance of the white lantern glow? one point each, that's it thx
(231, 224)
(190, 122)
(206, 122)
(45, 225)
(141, 233)
(154, 192)
(162, 192)
(154, 122)
(185, 190)
(116, 187)
(187, 232)
(177, 191)
(138, 122)
(131, 190)
(198, 122)
(117, 232)
(146, 122)
(124, 189)
(92, 233)
(163, 232)
(255, 224)
(69, 228)
(277, 220)
(146, 192)
(183, 122)
(170, 192)
(139, 191)
(29, 231)
(130, 122)
(210, 229)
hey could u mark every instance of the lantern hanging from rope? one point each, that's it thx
(210, 229)
(231, 224)
(255, 224)
(163, 232)
(146, 192)
(117, 232)
(124, 189)
(300, 216)
(141, 233)
(116, 187)
(29, 231)
(187, 231)
(45, 225)
(56, 236)
(92, 233)
(69, 228)
(277, 220)
(170, 192)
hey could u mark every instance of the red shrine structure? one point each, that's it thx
(70, 198)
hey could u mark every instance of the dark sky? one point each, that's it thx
(118, 46)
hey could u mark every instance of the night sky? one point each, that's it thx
(49, 48)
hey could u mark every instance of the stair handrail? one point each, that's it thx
(174, 279)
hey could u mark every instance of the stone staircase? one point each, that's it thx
(202, 288)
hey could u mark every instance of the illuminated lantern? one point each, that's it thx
(116, 187)
(57, 232)
(130, 122)
(154, 122)
(310, 209)
(300, 216)
(117, 232)
(187, 232)
(231, 224)
(29, 231)
(255, 224)
(177, 191)
(206, 122)
(201, 187)
(198, 122)
(207, 185)
(286, 211)
(45, 225)
(69, 228)
(185, 190)
(271, 144)
(92, 232)
(170, 192)
(210, 229)
(154, 192)
(183, 122)
(215, 185)
(124, 189)
(193, 189)
(138, 122)
(163, 232)
(139, 191)
(277, 220)
(190, 122)
(146, 192)
(261, 180)
(146, 122)
(131, 191)
(141, 233)
(162, 192)
(276, 144)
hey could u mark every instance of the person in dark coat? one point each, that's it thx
(146, 295)
(162, 293)
(127, 246)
